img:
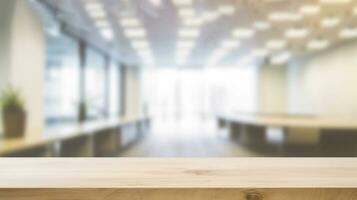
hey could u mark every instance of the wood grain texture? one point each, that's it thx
(177, 194)
(178, 173)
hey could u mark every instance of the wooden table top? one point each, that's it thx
(178, 173)
(62, 133)
(292, 121)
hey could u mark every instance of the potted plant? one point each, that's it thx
(13, 113)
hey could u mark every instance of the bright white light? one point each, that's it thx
(285, 16)
(296, 33)
(107, 33)
(230, 44)
(93, 6)
(135, 33)
(186, 12)
(243, 33)
(194, 22)
(182, 2)
(318, 44)
(227, 10)
(262, 25)
(329, 22)
(102, 23)
(185, 44)
(189, 33)
(281, 58)
(335, 1)
(129, 22)
(210, 16)
(348, 33)
(276, 44)
(97, 14)
(310, 9)
(156, 3)
(140, 44)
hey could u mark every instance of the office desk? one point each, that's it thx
(292, 133)
(179, 179)
(75, 140)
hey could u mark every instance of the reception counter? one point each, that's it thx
(178, 178)
(97, 138)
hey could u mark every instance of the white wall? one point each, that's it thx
(133, 93)
(25, 57)
(326, 83)
(272, 81)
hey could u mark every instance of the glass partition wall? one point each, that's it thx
(98, 86)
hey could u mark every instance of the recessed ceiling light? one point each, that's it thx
(335, 1)
(140, 44)
(310, 9)
(93, 6)
(185, 44)
(318, 44)
(281, 58)
(227, 9)
(348, 33)
(186, 12)
(243, 33)
(296, 33)
(135, 33)
(97, 14)
(230, 44)
(193, 21)
(102, 23)
(107, 33)
(182, 2)
(129, 22)
(276, 44)
(189, 33)
(285, 16)
(210, 16)
(329, 22)
(262, 25)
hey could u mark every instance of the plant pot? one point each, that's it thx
(14, 121)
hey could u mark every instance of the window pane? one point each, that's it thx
(95, 84)
(114, 93)
(61, 79)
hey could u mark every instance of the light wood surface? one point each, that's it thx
(178, 173)
(59, 134)
(291, 121)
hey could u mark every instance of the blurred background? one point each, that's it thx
(178, 78)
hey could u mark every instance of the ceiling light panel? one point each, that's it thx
(189, 33)
(262, 25)
(135, 33)
(285, 16)
(318, 44)
(227, 10)
(129, 22)
(348, 33)
(243, 33)
(296, 33)
(276, 44)
(329, 22)
(281, 58)
(182, 2)
(310, 9)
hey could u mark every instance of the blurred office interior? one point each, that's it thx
(178, 78)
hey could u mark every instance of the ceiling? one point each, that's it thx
(196, 33)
